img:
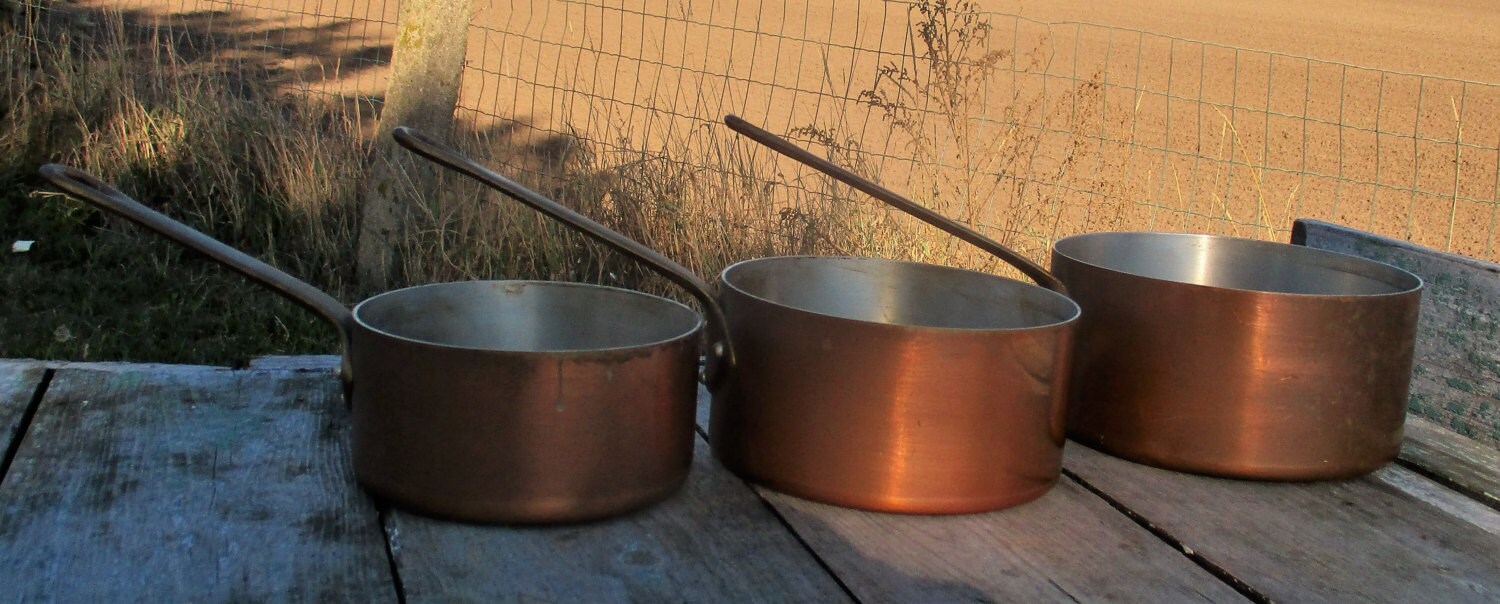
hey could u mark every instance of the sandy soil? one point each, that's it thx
(1450, 38)
(1131, 130)
(1193, 136)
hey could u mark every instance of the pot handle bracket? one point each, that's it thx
(719, 358)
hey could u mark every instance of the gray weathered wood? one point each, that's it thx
(1469, 466)
(18, 382)
(1451, 502)
(712, 542)
(1456, 377)
(311, 362)
(1066, 546)
(161, 483)
(1349, 541)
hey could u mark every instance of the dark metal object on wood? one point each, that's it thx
(893, 386)
(497, 401)
(1235, 357)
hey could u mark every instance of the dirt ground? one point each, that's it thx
(1189, 127)
(1449, 38)
(1186, 135)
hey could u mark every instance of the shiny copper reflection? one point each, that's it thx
(890, 385)
(893, 386)
(1238, 358)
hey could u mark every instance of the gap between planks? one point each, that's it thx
(1452, 460)
(16, 422)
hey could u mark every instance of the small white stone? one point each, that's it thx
(21, 246)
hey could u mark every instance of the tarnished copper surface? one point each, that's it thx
(518, 436)
(495, 401)
(893, 386)
(1238, 358)
(624, 415)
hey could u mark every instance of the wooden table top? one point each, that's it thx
(183, 483)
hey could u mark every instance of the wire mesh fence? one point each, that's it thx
(1037, 129)
(1031, 130)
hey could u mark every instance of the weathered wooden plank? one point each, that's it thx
(309, 362)
(1067, 546)
(162, 483)
(1359, 540)
(1431, 492)
(712, 542)
(18, 383)
(1458, 462)
(1456, 377)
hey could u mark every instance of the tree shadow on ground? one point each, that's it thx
(260, 55)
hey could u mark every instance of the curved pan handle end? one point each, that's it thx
(719, 358)
(104, 196)
(784, 147)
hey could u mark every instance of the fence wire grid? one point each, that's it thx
(1031, 130)
(1084, 126)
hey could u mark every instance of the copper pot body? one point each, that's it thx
(561, 402)
(523, 401)
(495, 401)
(1238, 358)
(893, 386)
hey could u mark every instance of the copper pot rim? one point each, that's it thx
(1393, 272)
(1073, 315)
(422, 291)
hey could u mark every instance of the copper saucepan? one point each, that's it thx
(496, 401)
(875, 384)
(1227, 356)
(893, 386)
(720, 358)
(1238, 358)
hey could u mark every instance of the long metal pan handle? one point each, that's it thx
(720, 358)
(784, 147)
(101, 194)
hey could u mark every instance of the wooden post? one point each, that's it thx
(426, 65)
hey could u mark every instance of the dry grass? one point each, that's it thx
(277, 175)
(268, 173)
(994, 155)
